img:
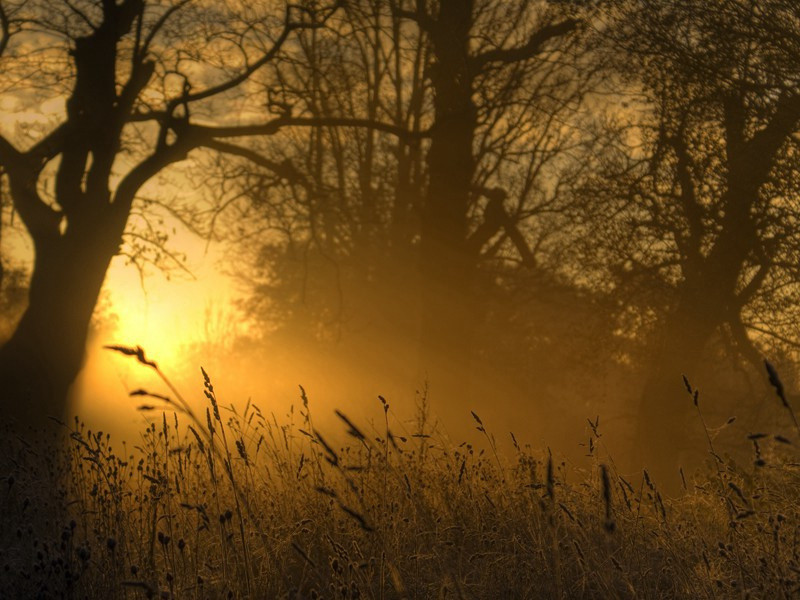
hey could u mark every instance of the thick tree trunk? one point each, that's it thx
(664, 440)
(447, 268)
(44, 355)
(707, 296)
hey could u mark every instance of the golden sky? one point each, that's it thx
(161, 314)
(165, 317)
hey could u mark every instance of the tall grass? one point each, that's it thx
(241, 504)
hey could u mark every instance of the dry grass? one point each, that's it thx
(241, 505)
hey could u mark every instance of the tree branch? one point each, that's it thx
(753, 286)
(495, 218)
(273, 126)
(790, 342)
(528, 50)
(41, 220)
(23, 170)
(248, 71)
(130, 185)
(763, 146)
(285, 170)
(688, 196)
(516, 237)
(162, 20)
(419, 15)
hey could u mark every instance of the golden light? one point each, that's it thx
(158, 315)
(168, 317)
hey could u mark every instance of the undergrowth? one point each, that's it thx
(231, 504)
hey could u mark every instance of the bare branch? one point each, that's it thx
(80, 14)
(788, 341)
(161, 158)
(41, 221)
(162, 20)
(754, 285)
(251, 69)
(530, 49)
(285, 170)
(273, 126)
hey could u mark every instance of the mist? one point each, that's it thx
(543, 235)
(528, 242)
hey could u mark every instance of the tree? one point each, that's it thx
(12, 273)
(141, 83)
(477, 95)
(462, 65)
(705, 199)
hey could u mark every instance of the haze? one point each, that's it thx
(541, 213)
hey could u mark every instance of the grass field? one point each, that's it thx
(244, 505)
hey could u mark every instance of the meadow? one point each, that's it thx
(243, 504)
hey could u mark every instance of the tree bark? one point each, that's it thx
(663, 441)
(447, 268)
(39, 363)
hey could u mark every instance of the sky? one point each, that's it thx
(163, 312)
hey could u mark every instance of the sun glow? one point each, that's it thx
(146, 317)
(164, 316)
(168, 318)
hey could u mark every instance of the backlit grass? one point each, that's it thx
(231, 504)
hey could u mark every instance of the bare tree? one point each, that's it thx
(702, 202)
(328, 214)
(142, 84)
(479, 96)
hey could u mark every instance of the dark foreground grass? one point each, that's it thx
(241, 505)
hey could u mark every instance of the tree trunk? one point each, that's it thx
(706, 299)
(663, 440)
(44, 355)
(446, 266)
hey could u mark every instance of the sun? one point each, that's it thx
(148, 318)
(163, 316)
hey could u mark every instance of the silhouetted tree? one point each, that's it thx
(703, 200)
(471, 51)
(482, 99)
(131, 81)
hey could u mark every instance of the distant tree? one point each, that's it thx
(328, 215)
(484, 54)
(125, 88)
(701, 205)
(482, 99)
